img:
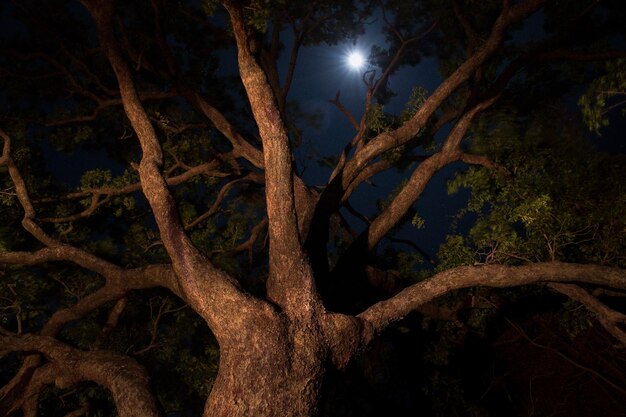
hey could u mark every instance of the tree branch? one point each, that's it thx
(111, 323)
(209, 290)
(241, 147)
(122, 376)
(381, 314)
(388, 140)
(290, 283)
(221, 195)
(421, 176)
(607, 317)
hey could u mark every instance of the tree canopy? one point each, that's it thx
(176, 237)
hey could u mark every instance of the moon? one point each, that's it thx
(355, 60)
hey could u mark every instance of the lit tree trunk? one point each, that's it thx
(276, 367)
(274, 370)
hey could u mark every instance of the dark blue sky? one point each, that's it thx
(321, 72)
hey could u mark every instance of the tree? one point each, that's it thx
(268, 267)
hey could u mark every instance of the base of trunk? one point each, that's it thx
(272, 373)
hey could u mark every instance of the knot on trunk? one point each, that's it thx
(345, 335)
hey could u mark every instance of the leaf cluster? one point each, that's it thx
(555, 198)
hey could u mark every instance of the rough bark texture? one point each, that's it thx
(284, 362)
(291, 283)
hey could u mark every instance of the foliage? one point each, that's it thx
(604, 94)
(527, 213)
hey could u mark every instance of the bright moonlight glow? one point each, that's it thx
(356, 60)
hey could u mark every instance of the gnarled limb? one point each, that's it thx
(117, 285)
(122, 376)
(28, 401)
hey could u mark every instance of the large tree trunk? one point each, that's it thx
(275, 369)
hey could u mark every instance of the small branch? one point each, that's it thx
(293, 57)
(249, 243)
(103, 104)
(565, 357)
(405, 43)
(471, 34)
(241, 146)
(607, 317)
(107, 192)
(472, 159)
(221, 195)
(156, 319)
(358, 138)
(417, 249)
(102, 196)
(337, 103)
(111, 324)
(356, 213)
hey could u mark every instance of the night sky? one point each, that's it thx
(323, 71)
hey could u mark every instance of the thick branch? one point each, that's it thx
(122, 376)
(290, 283)
(118, 281)
(29, 400)
(117, 285)
(410, 192)
(381, 314)
(408, 130)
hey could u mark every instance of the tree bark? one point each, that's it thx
(275, 368)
